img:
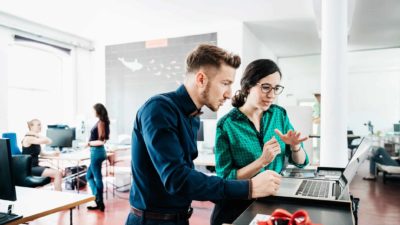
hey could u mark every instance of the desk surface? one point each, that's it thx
(77, 155)
(34, 203)
(204, 159)
(352, 136)
(320, 213)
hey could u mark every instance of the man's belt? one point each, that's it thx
(163, 216)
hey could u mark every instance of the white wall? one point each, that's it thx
(374, 89)
(4, 40)
(301, 78)
(374, 86)
(254, 48)
(78, 67)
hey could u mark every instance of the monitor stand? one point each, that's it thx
(8, 216)
(65, 150)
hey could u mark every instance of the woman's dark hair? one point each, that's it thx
(101, 112)
(254, 72)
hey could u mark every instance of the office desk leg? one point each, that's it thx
(106, 180)
(355, 206)
(70, 216)
(77, 178)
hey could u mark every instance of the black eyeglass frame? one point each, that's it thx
(278, 89)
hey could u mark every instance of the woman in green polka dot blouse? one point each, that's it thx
(255, 136)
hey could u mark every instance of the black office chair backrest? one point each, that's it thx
(22, 169)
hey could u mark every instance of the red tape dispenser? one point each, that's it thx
(283, 217)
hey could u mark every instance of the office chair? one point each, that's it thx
(22, 172)
(349, 142)
(13, 142)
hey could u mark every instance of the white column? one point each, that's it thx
(334, 83)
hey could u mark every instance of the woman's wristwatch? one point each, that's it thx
(296, 150)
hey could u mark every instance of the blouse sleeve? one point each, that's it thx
(223, 155)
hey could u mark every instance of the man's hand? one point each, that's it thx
(265, 184)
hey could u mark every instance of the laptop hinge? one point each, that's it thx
(337, 190)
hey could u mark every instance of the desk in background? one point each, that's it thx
(34, 203)
(206, 156)
(77, 156)
(204, 159)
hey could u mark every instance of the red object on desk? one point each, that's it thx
(283, 217)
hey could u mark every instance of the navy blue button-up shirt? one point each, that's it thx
(163, 150)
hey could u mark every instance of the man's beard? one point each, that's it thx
(206, 98)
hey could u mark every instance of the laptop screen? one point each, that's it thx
(359, 156)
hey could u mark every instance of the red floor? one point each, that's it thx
(116, 212)
(380, 204)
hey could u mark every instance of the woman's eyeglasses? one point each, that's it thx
(266, 88)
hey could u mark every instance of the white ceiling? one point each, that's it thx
(288, 27)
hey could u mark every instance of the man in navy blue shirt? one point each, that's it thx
(164, 145)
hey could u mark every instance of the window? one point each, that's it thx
(40, 85)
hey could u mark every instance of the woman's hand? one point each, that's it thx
(271, 149)
(291, 138)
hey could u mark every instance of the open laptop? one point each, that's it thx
(325, 173)
(324, 189)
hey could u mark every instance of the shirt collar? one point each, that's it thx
(239, 115)
(186, 103)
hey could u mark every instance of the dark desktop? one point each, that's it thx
(200, 133)
(61, 136)
(7, 186)
(396, 127)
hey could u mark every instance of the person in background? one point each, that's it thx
(99, 134)
(164, 146)
(381, 156)
(255, 136)
(316, 119)
(31, 145)
(317, 109)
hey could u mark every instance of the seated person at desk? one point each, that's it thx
(381, 156)
(249, 138)
(31, 146)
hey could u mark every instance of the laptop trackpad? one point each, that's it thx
(288, 186)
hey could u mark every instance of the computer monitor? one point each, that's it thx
(61, 137)
(396, 127)
(7, 186)
(200, 133)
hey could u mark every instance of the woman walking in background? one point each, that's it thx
(99, 134)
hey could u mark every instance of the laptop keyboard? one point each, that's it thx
(313, 188)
